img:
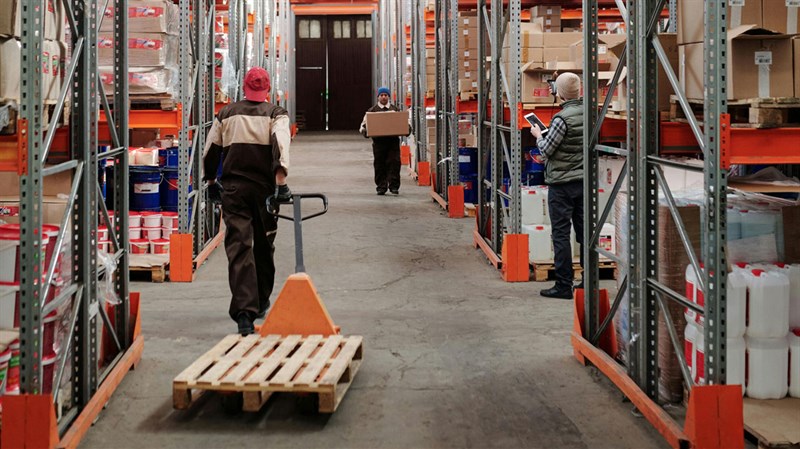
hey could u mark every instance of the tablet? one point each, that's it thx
(534, 120)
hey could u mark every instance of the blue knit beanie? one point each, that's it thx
(384, 90)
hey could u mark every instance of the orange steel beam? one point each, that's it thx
(333, 9)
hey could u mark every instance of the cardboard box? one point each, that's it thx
(747, 45)
(11, 18)
(468, 140)
(527, 54)
(54, 185)
(531, 35)
(546, 10)
(691, 16)
(669, 42)
(796, 47)
(561, 40)
(779, 17)
(147, 16)
(53, 208)
(380, 124)
(469, 65)
(468, 22)
(11, 58)
(467, 85)
(144, 49)
(557, 54)
(534, 84)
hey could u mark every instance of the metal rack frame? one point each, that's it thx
(501, 213)
(419, 79)
(445, 164)
(78, 227)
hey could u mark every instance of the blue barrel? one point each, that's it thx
(168, 157)
(533, 160)
(533, 178)
(169, 190)
(467, 161)
(145, 182)
(109, 191)
(506, 172)
(470, 183)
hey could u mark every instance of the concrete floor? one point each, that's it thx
(454, 357)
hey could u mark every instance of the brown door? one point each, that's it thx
(349, 70)
(334, 71)
(311, 70)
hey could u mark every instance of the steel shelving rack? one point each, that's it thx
(647, 138)
(91, 317)
(419, 80)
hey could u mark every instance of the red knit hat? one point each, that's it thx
(256, 84)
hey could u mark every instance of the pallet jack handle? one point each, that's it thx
(298, 220)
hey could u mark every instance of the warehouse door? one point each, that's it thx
(349, 70)
(334, 71)
(311, 72)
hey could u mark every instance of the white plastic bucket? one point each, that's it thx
(693, 293)
(102, 232)
(736, 306)
(134, 220)
(793, 273)
(768, 307)
(140, 246)
(159, 246)
(103, 245)
(767, 367)
(151, 219)
(166, 232)
(736, 362)
(146, 156)
(794, 363)
(169, 220)
(135, 233)
(151, 233)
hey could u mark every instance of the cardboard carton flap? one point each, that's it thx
(755, 32)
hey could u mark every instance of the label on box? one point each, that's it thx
(145, 187)
(466, 53)
(144, 44)
(602, 49)
(464, 158)
(7, 210)
(793, 3)
(763, 58)
(736, 2)
(144, 11)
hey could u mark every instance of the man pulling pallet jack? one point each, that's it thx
(298, 349)
(252, 137)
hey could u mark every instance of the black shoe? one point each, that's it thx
(381, 192)
(556, 292)
(245, 324)
(395, 191)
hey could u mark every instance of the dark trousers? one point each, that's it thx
(565, 205)
(386, 151)
(249, 244)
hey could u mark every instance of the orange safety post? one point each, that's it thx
(181, 258)
(298, 310)
(405, 154)
(424, 173)
(514, 256)
(608, 339)
(455, 201)
(29, 421)
(715, 417)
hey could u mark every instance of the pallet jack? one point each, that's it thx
(298, 348)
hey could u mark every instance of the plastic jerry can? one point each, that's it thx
(767, 367)
(768, 305)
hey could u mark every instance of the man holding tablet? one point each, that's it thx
(562, 151)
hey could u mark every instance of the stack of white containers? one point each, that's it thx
(536, 223)
(150, 232)
(763, 304)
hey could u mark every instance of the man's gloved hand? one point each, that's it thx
(215, 192)
(282, 194)
(364, 133)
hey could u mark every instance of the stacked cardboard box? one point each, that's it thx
(468, 64)
(152, 47)
(549, 15)
(665, 90)
(467, 131)
(430, 72)
(760, 53)
(53, 55)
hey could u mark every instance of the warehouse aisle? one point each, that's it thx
(454, 357)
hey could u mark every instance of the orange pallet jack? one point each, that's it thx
(297, 350)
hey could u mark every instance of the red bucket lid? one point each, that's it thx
(169, 214)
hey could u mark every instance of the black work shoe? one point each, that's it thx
(381, 192)
(556, 292)
(395, 191)
(245, 324)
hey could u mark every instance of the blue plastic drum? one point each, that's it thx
(145, 183)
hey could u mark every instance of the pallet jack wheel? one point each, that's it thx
(232, 403)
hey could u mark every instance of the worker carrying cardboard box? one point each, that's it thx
(252, 137)
(385, 131)
(562, 150)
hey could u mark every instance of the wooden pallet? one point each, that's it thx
(749, 113)
(773, 423)
(157, 273)
(542, 270)
(163, 102)
(259, 366)
(470, 210)
(430, 94)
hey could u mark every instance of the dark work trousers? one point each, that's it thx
(565, 204)
(386, 151)
(249, 243)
